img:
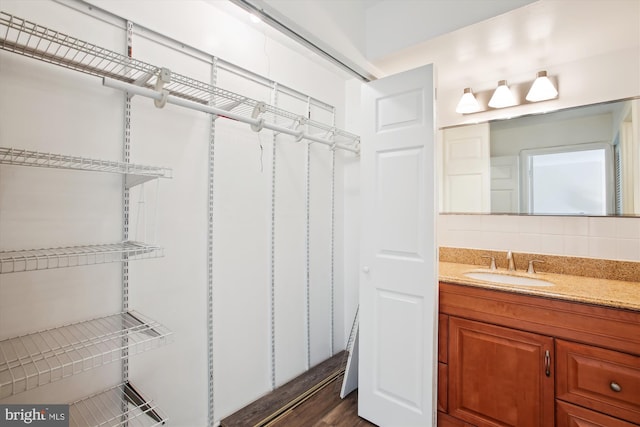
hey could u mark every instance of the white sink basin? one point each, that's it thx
(507, 279)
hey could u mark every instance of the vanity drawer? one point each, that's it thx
(604, 380)
(568, 415)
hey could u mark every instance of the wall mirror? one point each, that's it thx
(577, 161)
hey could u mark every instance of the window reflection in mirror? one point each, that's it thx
(580, 161)
(567, 180)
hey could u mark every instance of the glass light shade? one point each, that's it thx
(502, 97)
(542, 88)
(468, 103)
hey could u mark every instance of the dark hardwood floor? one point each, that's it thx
(324, 409)
(310, 400)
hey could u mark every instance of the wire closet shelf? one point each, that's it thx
(39, 358)
(134, 173)
(122, 405)
(35, 41)
(75, 256)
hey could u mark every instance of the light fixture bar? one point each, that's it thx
(543, 88)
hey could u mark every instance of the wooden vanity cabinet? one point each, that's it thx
(508, 359)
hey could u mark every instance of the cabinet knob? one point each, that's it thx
(615, 387)
(365, 269)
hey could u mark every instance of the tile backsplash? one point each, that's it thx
(591, 237)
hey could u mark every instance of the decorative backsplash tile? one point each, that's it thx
(591, 237)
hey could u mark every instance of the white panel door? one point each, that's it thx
(398, 286)
(466, 183)
(505, 185)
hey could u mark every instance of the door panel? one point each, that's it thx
(398, 285)
(399, 204)
(500, 376)
(396, 344)
(505, 186)
(466, 184)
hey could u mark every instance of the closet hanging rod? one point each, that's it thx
(35, 41)
(219, 112)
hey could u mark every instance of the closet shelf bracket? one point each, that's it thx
(302, 121)
(164, 77)
(257, 113)
(143, 79)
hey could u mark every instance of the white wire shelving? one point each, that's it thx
(75, 256)
(39, 358)
(32, 40)
(43, 357)
(134, 173)
(122, 405)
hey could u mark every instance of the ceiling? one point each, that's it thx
(358, 34)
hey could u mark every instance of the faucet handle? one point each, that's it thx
(493, 261)
(532, 270)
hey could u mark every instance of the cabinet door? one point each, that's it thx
(500, 376)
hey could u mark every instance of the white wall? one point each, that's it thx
(50, 109)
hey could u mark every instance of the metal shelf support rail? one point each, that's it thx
(43, 357)
(74, 256)
(105, 409)
(137, 77)
(135, 174)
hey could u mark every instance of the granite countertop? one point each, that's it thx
(605, 292)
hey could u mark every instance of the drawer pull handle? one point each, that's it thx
(547, 364)
(615, 387)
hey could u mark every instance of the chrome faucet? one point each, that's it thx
(512, 266)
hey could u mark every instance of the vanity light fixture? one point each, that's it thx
(468, 103)
(502, 97)
(542, 88)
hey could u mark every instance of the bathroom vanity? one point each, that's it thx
(563, 355)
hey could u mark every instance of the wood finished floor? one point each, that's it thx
(325, 409)
(309, 400)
